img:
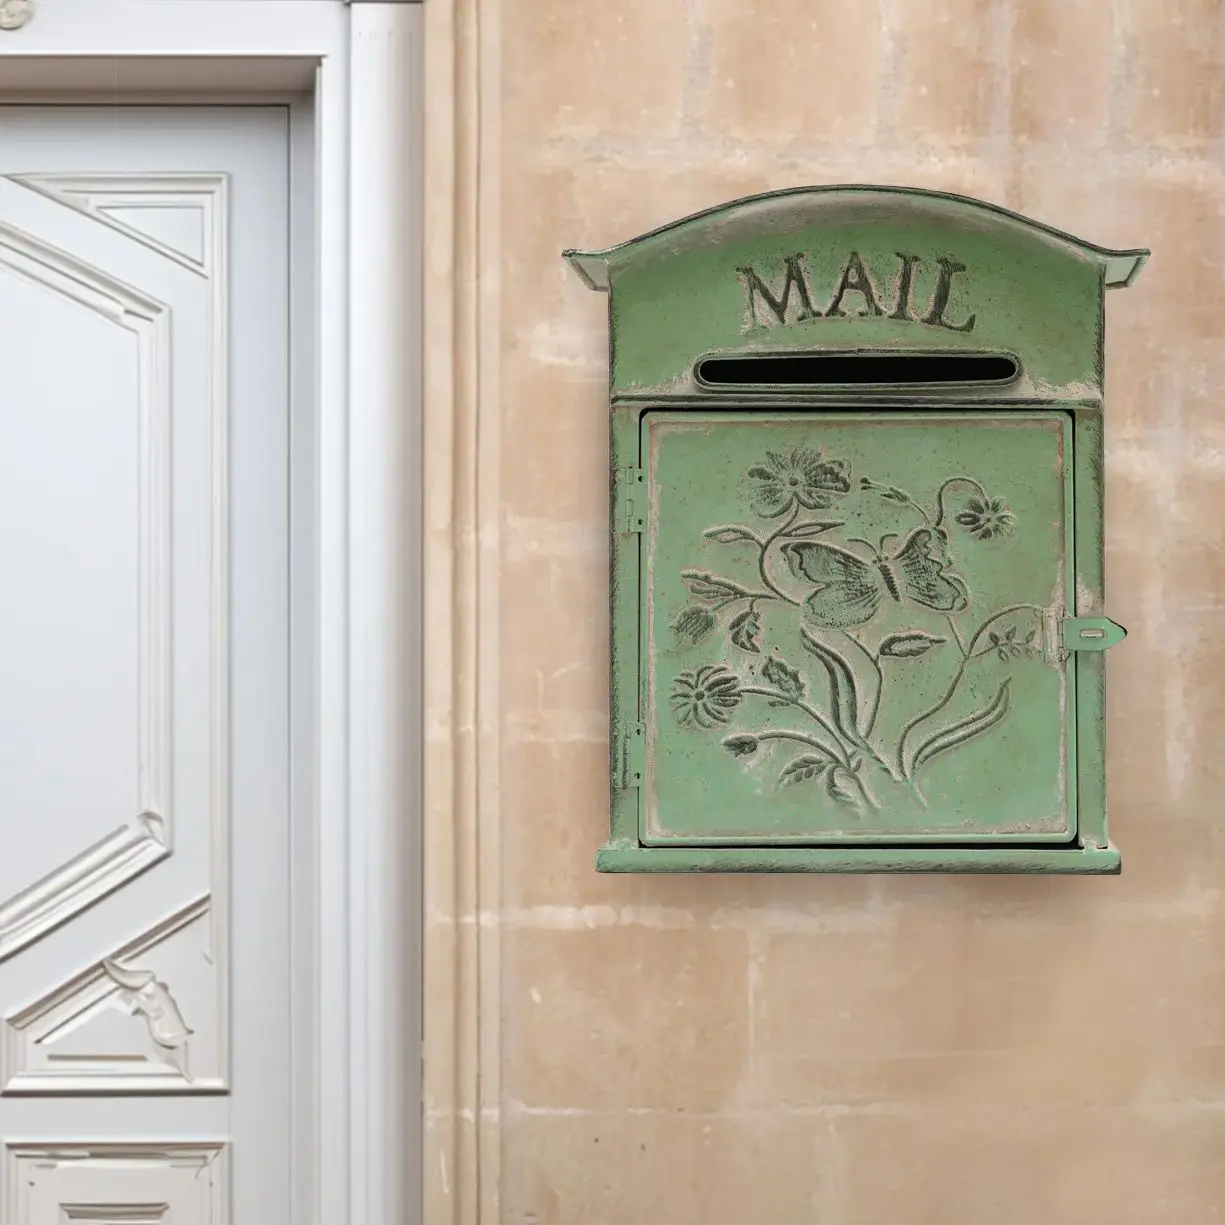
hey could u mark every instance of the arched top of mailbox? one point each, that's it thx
(856, 270)
(798, 210)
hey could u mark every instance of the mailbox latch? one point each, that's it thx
(1091, 633)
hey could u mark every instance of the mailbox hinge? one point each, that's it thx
(633, 756)
(1091, 633)
(629, 502)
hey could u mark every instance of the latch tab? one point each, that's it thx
(1091, 633)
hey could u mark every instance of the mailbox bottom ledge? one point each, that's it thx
(1075, 860)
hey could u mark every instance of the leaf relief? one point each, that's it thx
(814, 528)
(694, 623)
(731, 534)
(964, 729)
(745, 629)
(843, 787)
(741, 746)
(844, 696)
(783, 677)
(707, 586)
(909, 644)
(804, 769)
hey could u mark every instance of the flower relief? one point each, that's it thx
(846, 582)
(985, 518)
(804, 476)
(705, 698)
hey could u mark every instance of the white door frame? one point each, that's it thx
(352, 79)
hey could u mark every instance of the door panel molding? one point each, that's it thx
(101, 195)
(79, 882)
(144, 980)
(144, 839)
(93, 1182)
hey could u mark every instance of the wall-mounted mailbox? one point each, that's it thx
(856, 501)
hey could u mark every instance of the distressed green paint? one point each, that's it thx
(624, 596)
(942, 540)
(621, 856)
(721, 606)
(1091, 602)
(677, 292)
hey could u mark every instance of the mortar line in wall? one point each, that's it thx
(716, 149)
(877, 913)
(887, 98)
(695, 81)
(846, 163)
(835, 1183)
(764, 1112)
(1122, 73)
(1003, 33)
(755, 941)
(580, 919)
(772, 1109)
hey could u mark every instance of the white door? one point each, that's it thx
(144, 818)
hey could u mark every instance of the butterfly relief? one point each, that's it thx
(849, 589)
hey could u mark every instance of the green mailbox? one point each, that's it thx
(856, 520)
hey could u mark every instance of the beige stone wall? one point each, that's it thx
(848, 1051)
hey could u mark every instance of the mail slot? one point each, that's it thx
(856, 489)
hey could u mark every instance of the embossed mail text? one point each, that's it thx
(789, 297)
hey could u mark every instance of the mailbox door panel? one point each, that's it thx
(851, 628)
